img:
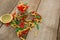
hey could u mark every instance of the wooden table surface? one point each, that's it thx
(48, 9)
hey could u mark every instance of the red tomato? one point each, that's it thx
(21, 25)
(22, 8)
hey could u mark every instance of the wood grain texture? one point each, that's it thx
(9, 33)
(6, 6)
(58, 36)
(48, 9)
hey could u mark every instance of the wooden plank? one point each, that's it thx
(7, 6)
(48, 9)
(58, 38)
(58, 32)
(9, 33)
